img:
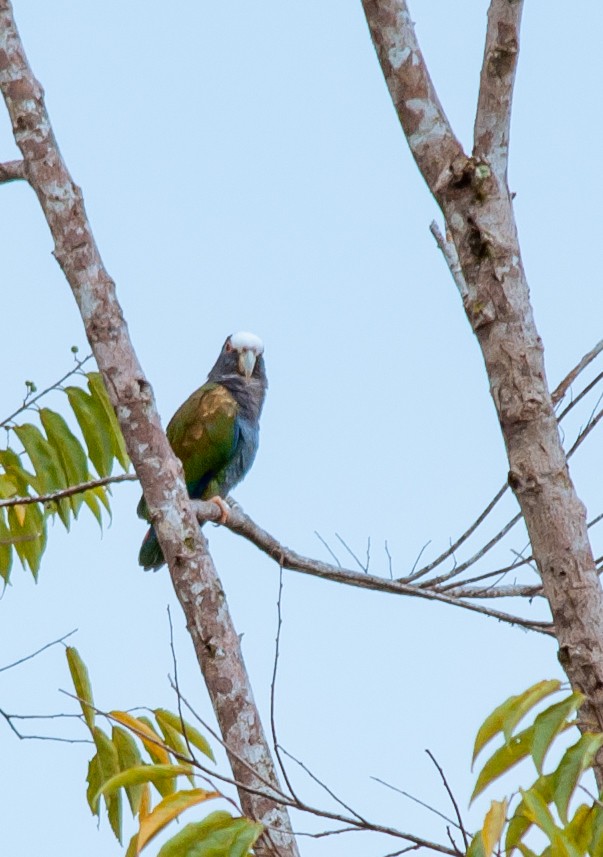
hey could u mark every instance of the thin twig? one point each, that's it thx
(351, 553)
(460, 825)
(277, 645)
(9, 720)
(415, 800)
(461, 539)
(328, 547)
(324, 786)
(452, 259)
(37, 652)
(28, 402)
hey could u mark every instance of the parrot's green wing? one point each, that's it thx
(203, 433)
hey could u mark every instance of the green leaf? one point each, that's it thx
(218, 835)
(169, 809)
(527, 852)
(69, 450)
(195, 738)
(94, 780)
(8, 487)
(129, 757)
(109, 765)
(142, 774)
(91, 500)
(580, 829)
(476, 847)
(28, 534)
(46, 463)
(596, 845)
(576, 759)
(504, 759)
(91, 418)
(541, 816)
(11, 462)
(549, 723)
(519, 823)
(6, 550)
(506, 717)
(176, 743)
(81, 683)
(99, 392)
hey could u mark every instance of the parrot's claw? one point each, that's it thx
(223, 507)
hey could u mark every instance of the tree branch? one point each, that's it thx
(192, 570)
(69, 492)
(11, 171)
(241, 524)
(432, 142)
(493, 117)
(476, 203)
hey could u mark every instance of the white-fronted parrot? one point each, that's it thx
(215, 433)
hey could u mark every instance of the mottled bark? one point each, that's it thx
(474, 197)
(194, 576)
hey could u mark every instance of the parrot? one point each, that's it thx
(215, 433)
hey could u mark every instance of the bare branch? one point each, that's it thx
(9, 720)
(241, 524)
(69, 492)
(569, 379)
(11, 171)
(452, 259)
(493, 117)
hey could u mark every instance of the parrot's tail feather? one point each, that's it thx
(150, 556)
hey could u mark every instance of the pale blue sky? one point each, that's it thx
(242, 167)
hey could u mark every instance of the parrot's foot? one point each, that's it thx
(223, 507)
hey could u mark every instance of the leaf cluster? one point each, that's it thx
(143, 759)
(47, 456)
(545, 805)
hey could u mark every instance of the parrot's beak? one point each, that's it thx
(247, 360)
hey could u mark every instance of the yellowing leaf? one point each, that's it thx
(493, 825)
(145, 803)
(169, 809)
(151, 740)
(20, 513)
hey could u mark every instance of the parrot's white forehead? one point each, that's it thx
(243, 340)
